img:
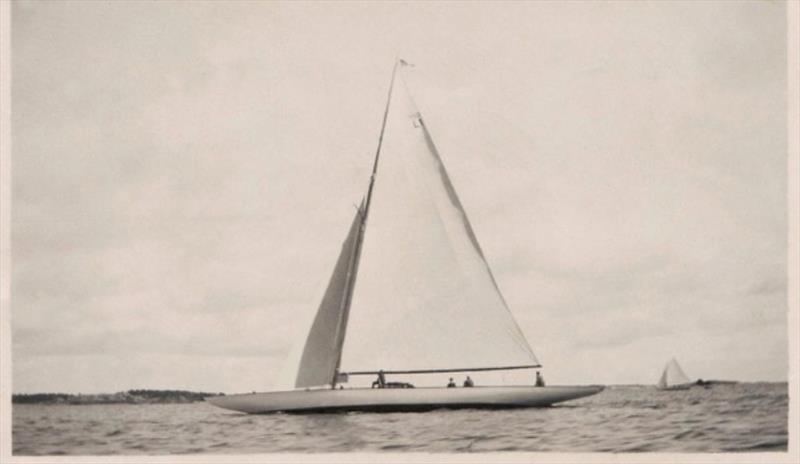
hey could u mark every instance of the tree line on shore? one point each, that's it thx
(130, 396)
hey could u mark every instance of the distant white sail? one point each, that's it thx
(323, 344)
(425, 296)
(673, 376)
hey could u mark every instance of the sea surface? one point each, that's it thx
(724, 418)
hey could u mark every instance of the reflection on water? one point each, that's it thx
(742, 417)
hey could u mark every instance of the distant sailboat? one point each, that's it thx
(421, 268)
(673, 377)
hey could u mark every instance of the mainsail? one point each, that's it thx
(426, 299)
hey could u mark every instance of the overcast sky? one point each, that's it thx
(184, 174)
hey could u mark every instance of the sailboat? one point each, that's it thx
(673, 377)
(419, 266)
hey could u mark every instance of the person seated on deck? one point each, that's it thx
(539, 379)
(451, 384)
(468, 382)
(381, 380)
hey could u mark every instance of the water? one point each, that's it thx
(731, 418)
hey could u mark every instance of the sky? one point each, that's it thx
(184, 174)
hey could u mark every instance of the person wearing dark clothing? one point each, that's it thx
(539, 379)
(381, 381)
(468, 382)
(451, 384)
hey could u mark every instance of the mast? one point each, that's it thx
(378, 151)
(341, 328)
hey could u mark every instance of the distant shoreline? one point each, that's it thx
(126, 397)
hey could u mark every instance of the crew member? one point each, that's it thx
(381, 381)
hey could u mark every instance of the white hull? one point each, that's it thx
(400, 399)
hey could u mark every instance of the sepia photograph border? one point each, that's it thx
(792, 455)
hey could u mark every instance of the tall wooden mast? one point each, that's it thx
(341, 328)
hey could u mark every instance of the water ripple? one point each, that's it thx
(732, 418)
